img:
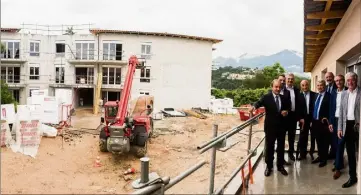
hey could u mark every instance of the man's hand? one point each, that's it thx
(339, 134)
(325, 121)
(302, 122)
(284, 113)
(330, 128)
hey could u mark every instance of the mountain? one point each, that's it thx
(291, 60)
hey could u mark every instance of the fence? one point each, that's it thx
(160, 185)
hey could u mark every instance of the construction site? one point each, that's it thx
(69, 167)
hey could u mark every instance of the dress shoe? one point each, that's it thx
(267, 172)
(349, 183)
(292, 157)
(322, 164)
(337, 174)
(333, 169)
(317, 160)
(283, 171)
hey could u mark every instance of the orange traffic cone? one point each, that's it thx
(129, 171)
(97, 162)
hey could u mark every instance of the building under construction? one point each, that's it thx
(89, 64)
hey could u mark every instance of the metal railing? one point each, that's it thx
(159, 186)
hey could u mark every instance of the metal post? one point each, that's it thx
(144, 174)
(213, 162)
(249, 144)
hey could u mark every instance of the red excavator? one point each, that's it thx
(120, 130)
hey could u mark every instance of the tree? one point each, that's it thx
(272, 72)
(6, 96)
(69, 31)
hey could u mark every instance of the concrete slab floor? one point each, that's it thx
(303, 178)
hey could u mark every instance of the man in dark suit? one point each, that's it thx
(294, 115)
(320, 123)
(276, 108)
(331, 85)
(337, 145)
(307, 100)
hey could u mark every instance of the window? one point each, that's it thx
(112, 51)
(84, 75)
(60, 49)
(59, 74)
(10, 74)
(84, 51)
(16, 95)
(32, 89)
(146, 50)
(12, 50)
(145, 75)
(34, 49)
(34, 72)
(111, 76)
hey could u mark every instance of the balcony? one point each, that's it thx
(84, 81)
(12, 59)
(13, 81)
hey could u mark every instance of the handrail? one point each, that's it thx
(161, 186)
(231, 133)
(241, 166)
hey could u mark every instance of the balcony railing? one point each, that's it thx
(84, 79)
(11, 79)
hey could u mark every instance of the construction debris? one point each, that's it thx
(195, 113)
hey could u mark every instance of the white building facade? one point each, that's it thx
(178, 67)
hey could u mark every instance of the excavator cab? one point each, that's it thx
(110, 112)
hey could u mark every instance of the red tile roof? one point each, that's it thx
(100, 31)
(12, 30)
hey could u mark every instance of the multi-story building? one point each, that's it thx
(177, 73)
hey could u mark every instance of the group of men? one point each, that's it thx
(331, 116)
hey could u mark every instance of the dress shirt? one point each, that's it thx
(293, 99)
(279, 100)
(338, 103)
(351, 104)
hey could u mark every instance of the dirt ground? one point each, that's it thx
(172, 150)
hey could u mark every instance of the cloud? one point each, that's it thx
(252, 26)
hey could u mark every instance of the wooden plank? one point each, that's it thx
(326, 14)
(319, 36)
(316, 42)
(322, 27)
(315, 47)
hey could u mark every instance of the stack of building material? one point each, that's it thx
(222, 106)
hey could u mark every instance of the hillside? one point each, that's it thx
(291, 60)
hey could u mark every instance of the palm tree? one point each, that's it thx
(69, 31)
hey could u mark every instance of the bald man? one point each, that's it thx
(277, 108)
(307, 100)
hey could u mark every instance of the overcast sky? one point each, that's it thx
(247, 26)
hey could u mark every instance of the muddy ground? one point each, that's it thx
(172, 150)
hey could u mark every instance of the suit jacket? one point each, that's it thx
(343, 109)
(286, 94)
(274, 121)
(302, 111)
(324, 111)
(334, 88)
(333, 104)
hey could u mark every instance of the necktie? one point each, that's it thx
(315, 110)
(277, 103)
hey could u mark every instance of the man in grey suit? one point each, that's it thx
(348, 122)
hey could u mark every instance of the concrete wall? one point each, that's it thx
(346, 37)
(180, 68)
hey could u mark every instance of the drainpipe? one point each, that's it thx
(359, 164)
